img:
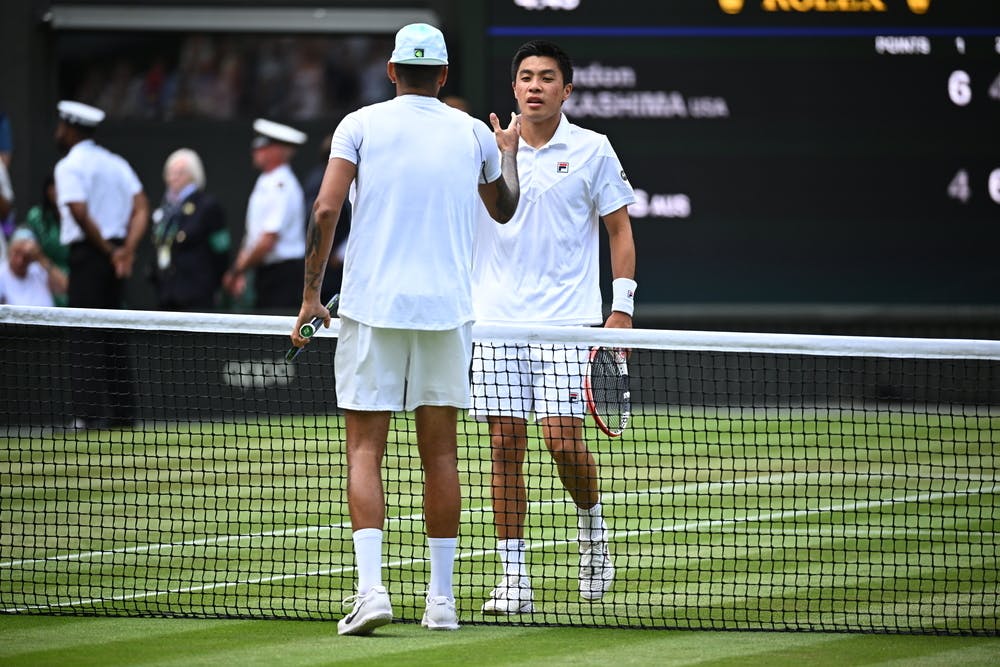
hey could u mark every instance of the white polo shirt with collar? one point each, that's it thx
(104, 181)
(542, 267)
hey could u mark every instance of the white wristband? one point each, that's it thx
(623, 295)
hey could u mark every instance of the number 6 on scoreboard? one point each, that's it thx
(605, 386)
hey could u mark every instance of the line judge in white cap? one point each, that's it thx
(274, 242)
(420, 169)
(104, 214)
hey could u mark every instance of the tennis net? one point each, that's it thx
(157, 464)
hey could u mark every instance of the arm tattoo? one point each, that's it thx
(314, 237)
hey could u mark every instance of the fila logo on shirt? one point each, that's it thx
(562, 167)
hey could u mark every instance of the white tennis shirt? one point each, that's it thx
(542, 267)
(104, 181)
(31, 290)
(277, 206)
(409, 253)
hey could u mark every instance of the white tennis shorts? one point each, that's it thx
(401, 369)
(518, 380)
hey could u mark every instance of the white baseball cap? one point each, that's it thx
(78, 113)
(268, 132)
(419, 44)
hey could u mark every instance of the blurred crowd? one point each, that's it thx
(229, 76)
(193, 266)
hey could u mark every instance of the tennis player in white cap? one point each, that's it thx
(419, 168)
(104, 214)
(274, 243)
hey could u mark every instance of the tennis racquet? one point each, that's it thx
(605, 386)
(309, 329)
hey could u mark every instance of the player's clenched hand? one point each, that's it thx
(310, 310)
(619, 320)
(508, 137)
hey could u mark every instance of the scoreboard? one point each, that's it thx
(790, 151)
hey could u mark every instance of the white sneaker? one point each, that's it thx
(597, 571)
(370, 611)
(511, 596)
(439, 614)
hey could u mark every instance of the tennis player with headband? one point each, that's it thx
(542, 268)
(406, 301)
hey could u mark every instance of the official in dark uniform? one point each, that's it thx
(103, 216)
(274, 245)
(190, 237)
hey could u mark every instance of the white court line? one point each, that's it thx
(288, 532)
(685, 526)
(691, 487)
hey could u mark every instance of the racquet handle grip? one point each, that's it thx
(309, 328)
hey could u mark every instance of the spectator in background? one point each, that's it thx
(6, 141)
(340, 74)
(307, 94)
(6, 202)
(190, 237)
(6, 191)
(310, 187)
(334, 275)
(29, 278)
(122, 95)
(373, 86)
(103, 215)
(274, 245)
(271, 85)
(43, 221)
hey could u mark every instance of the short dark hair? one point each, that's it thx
(546, 49)
(422, 77)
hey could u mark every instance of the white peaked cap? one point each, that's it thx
(278, 132)
(78, 113)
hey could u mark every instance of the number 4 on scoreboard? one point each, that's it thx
(959, 187)
(994, 91)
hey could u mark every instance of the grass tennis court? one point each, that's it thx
(110, 642)
(726, 519)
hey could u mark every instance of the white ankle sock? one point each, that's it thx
(442, 565)
(591, 523)
(511, 554)
(368, 554)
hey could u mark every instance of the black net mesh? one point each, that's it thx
(145, 471)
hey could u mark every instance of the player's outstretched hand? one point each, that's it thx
(508, 137)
